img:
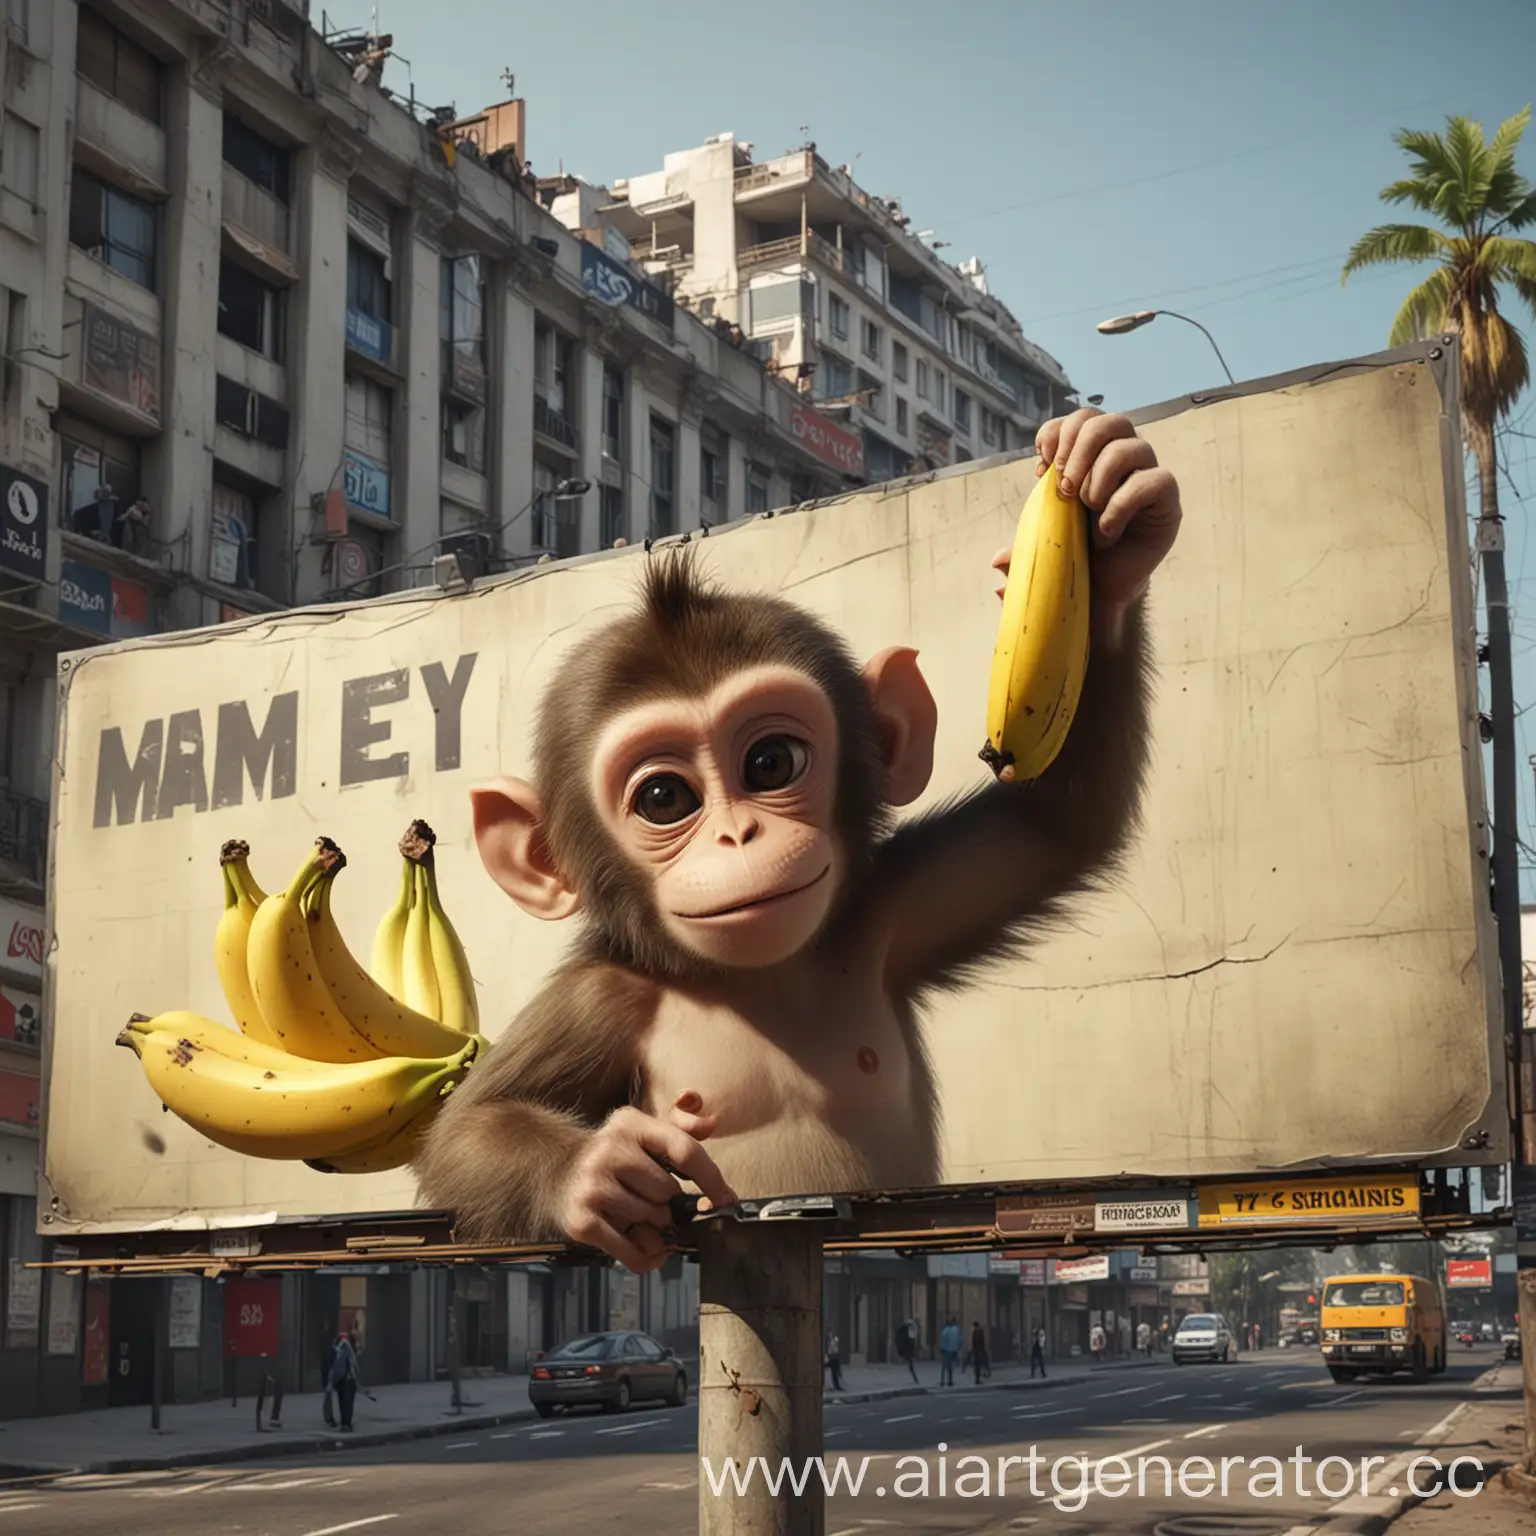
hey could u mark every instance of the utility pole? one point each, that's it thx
(760, 1368)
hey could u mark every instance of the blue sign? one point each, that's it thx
(369, 336)
(85, 597)
(610, 283)
(366, 483)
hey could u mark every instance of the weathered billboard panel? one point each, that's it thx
(1295, 971)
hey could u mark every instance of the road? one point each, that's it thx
(638, 1474)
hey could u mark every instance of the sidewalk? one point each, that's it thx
(196, 1434)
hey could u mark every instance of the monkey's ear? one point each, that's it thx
(509, 832)
(906, 720)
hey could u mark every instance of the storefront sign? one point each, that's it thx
(1469, 1274)
(93, 599)
(24, 1302)
(1048, 1214)
(98, 1328)
(1070, 1271)
(23, 523)
(20, 1097)
(830, 443)
(1327, 1202)
(63, 1314)
(1191, 1287)
(122, 361)
(252, 1313)
(610, 283)
(1146, 1213)
(366, 483)
(21, 938)
(373, 338)
(1143, 1269)
(1031, 1271)
(186, 1327)
(957, 1266)
(21, 1016)
(1000, 1266)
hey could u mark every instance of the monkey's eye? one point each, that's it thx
(774, 762)
(664, 799)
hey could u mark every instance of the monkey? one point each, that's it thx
(714, 793)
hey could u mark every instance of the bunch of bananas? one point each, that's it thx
(331, 1065)
(1042, 641)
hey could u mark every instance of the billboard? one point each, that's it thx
(1469, 1274)
(1294, 969)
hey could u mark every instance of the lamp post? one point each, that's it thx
(1121, 324)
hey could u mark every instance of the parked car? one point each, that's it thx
(1203, 1336)
(611, 1370)
(1467, 1336)
(1511, 1343)
(1307, 1334)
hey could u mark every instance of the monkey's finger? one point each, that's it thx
(593, 1231)
(688, 1158)
(1075, 458)
(1152, 493)
(1053, 442)
(1119, 460)
(626, 1207)
(646, 1176)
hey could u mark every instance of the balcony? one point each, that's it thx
(793, 169)
(775, 253)
(555, 427)
(256, 213)
(24, 834)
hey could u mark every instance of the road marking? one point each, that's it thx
(972, 1418)
(1200, 1434)
(829, 1433)
(1333, 1402)
(257, 1485)
(1143, 1421)
(351, 1525)
(542, 1434)
(901, 1418)
(506, 1434)
(1135, 1450)
(1172, 1398)
(461, 1445)
(16, 1509)
(1123, 1392)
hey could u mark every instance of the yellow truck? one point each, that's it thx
(1377, 1324)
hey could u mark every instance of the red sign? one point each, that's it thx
(19, 1096)
(98, 1328)
(842, 450)
(1469, 1274)
(252, 1311)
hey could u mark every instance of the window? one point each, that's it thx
(613, 414)
(464, 435)
(101, 479)
(249, 413)
(873, 395)
(554, 369)
(837, 316)
(1364, 1293)
(461, 324)
(922, 380)
(963, 341)
(250, 311)
(18, 159)
(611, 526)
(115, 228)
(962, 411)
(757, 488)
(368, 288)
(713, 477)
(369, 417)
(545, 508)
(662, 521)
(17, 13)
(940, 387)
(258, 159)
(117, 65)
(899, 362)
(902, 426)
(989, 426)
(232, 550)
(836, 378)
(870, 335)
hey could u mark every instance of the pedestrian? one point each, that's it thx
(1143, 1339)
(949, 1352)
(345, 1376)
(1258, 1337)
(1096, 1343)
(1037, 1354)
(979, 1351)
(835, 1360)
(906, 1345)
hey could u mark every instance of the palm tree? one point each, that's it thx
(1472, 188)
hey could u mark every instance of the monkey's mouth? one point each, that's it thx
(757, 904)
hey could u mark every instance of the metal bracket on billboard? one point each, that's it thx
(789, 1208)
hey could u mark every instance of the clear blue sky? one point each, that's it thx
(1214, 158)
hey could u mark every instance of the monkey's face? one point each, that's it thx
(724, 806)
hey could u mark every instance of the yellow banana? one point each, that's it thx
(209, 1035)
(290, 990)
(389, 939)
(457, 1006)
(417, 970)
(395, 1150)
(1042, 642)
(291, 1110)
(242, 896)
(388, 1026)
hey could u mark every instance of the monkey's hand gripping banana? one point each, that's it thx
(1042, 642)
(267, 1103)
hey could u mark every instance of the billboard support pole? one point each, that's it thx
(760, 1374)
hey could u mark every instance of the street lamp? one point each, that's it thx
(1120, 324)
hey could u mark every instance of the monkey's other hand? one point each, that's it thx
(615, 1198)
(1135, 503)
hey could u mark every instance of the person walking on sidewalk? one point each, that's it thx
(1037, 1354)
(978, 1350)
(949, 1352)
(835, 1360)
(1096, 1343)
(906, 1345)
(345, 1377)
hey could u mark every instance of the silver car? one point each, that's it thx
(1203, 1336)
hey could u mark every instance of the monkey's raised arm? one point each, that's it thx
(498, 1154)
(974, 879)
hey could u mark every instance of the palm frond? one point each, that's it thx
(1506, 186)
(1411, 190)
(1521, 213)
(1395, 242)
(1424, 310)
(1464, 143)
(1508, 260)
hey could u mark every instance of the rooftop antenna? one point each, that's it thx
(509, 80)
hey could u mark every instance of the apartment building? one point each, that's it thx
(270, 335)
(912, 355)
